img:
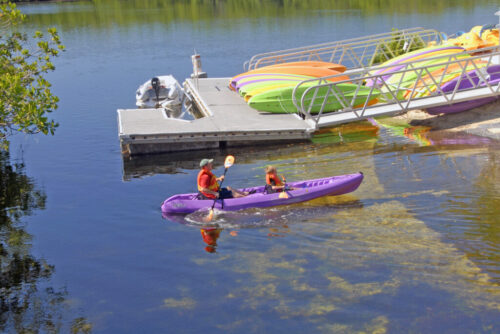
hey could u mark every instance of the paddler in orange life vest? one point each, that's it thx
(274, 181)
(208, 183)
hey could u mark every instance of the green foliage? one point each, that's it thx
(397, 46)
(26, 97)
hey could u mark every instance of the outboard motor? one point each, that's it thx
(155, 82)
(159, 92)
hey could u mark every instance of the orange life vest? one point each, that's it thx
(273, 177)
(213, 185)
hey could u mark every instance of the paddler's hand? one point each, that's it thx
(220, 178)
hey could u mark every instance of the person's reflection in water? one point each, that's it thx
(210, 236)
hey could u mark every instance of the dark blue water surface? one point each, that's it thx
(414, 249)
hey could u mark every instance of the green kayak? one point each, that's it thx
(340, 96)
(262, 86)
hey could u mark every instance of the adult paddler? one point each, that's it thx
(208, 183)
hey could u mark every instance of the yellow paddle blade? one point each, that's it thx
(229, 161)
(283, 194)
(209, 217)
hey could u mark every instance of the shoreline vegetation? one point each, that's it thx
(27, 99)
(276, 8)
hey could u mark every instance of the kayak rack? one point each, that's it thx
(423, 92)
(355, 52)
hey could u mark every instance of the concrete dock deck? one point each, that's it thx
(228, 121)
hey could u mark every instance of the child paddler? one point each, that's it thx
(274, 182)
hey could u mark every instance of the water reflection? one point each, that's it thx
(276, 220)
(425, 136)
(377, 263)
(131, 12)
(481, 210)
(359, 137)
(210, 236)
(27, 301)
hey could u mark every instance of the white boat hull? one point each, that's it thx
(170, 93)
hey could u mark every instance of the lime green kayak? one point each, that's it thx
(280, 100)
(261, 86)
(410, 77)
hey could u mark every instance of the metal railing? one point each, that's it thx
(455, 78)
(352, 53)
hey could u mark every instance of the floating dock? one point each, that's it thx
(228, 121)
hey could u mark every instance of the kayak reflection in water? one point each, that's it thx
(210, 236)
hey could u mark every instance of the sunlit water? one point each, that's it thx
(414, 249)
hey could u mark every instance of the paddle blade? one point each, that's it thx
(209, 217)
(229, 161)
(283, 195)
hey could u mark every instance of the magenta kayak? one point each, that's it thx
(303, 191)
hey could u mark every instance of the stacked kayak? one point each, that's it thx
(471, 79)
(302, 191)
(398, 63)
(446, 76)
(477, 38)
(312, 69)
(270, 88)
(439, 73)
(314, 96)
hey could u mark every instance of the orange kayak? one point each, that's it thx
(316, 72)
(310, 63)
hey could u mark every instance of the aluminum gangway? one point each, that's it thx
(353, 53)
(412, 85)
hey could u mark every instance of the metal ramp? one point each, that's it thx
(474, 77)
(353, 53)
(394, 108)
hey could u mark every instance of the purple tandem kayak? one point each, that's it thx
(305, 191)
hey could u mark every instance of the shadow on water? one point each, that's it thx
(28, 304)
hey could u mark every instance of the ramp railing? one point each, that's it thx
(426, 83)
(353, 53)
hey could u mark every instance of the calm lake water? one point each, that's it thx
(415, 249)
